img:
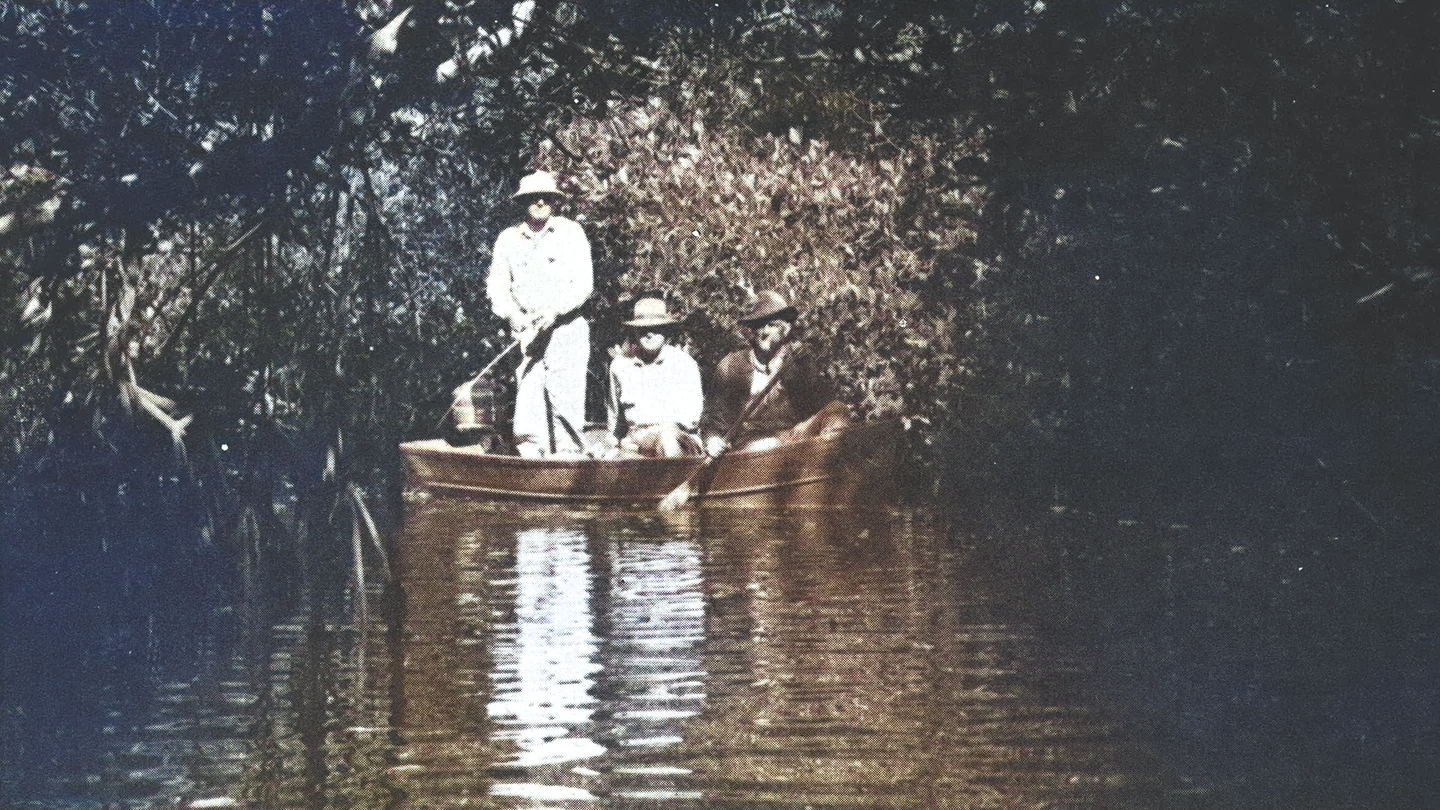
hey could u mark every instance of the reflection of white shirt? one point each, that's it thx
(545, 665)
(545, 272)
(666, 390)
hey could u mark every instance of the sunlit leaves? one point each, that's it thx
(712, 214)
(29, 198)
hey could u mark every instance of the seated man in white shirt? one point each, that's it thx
(655, 393)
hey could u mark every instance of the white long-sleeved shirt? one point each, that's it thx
(545, 272)
(666, 390)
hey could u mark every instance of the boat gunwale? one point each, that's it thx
(438, 447)
(542, 497)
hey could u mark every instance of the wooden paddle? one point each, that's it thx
(680, 495)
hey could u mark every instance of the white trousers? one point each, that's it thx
(559, 377)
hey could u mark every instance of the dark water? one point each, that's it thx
(535, 657)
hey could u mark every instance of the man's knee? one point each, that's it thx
(828, 421)
(667, 440)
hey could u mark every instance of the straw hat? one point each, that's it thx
(651, 312)
(768, 305)
(537, 183)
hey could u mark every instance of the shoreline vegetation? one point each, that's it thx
(1083, 255)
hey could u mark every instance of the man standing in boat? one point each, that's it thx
(540, 276)
(655, 392)
(800, 403)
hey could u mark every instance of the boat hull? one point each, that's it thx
(853, 468)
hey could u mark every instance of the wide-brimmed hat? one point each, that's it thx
(767, 305)
(537, 183)
(651, 312)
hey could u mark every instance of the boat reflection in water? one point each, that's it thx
(545, 657)
(729, 659)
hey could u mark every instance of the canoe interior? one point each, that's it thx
(856, 467)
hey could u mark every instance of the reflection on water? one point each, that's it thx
(543, 658)
(656, 678)
(545, 655)
(722, 659)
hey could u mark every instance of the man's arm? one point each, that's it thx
(578, 276)
(498, 279)
(809, 388)
(690, 395)
(725, 396)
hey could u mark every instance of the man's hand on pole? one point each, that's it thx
(527, 331)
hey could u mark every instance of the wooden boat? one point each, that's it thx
(853, 468)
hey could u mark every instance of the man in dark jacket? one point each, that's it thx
(801, 403)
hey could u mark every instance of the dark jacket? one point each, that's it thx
(801, 392)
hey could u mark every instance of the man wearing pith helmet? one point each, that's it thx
(540, 276)
(800, 403)
(655, 391)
